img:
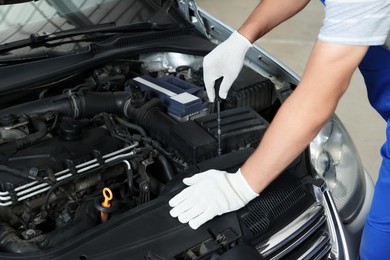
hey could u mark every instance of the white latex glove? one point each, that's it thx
(226, 61)
(210, 193)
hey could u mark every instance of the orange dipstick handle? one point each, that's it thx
(107, 194)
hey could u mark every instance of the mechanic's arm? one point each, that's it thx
(325, 79)
(327, 76)
(267, 15)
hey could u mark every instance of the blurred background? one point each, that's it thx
(291, 43)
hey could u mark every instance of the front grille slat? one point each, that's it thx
(304, 238)
(301, 238)
(324, 253)
(318, 249)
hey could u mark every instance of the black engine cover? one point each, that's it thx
(197, 140)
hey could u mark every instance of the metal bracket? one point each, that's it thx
(186, 6)
(145, 184)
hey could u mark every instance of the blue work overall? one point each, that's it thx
(375, 68)
(375, 243)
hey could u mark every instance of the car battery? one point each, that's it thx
(180, 98)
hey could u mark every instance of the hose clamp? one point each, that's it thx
(73, 100)
(126, 106)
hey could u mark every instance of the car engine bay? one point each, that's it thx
(131, 125)
(104, 112)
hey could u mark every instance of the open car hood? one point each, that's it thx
(38, 22)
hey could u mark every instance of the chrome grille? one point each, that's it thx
(306, 237)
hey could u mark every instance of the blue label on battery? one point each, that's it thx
(179, 97)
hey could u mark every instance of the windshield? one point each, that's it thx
(19, 21)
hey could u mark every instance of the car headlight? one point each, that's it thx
(336, 160)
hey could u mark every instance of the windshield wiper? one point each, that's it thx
(39, 39)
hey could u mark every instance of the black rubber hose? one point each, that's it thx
(167, 168)
(130, 181)
(151, 117)
(41, 130)
(88, 104)
(60, 104)
(94, 103)
(76, 105)
(131, 126)
(10, 242)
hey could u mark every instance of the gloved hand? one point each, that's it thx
(226, 61)
(209, 194)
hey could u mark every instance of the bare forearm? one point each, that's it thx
(326, 78)
(289, 134)
(267, 15)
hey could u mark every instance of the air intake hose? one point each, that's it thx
(88, 104)
(73, 104)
